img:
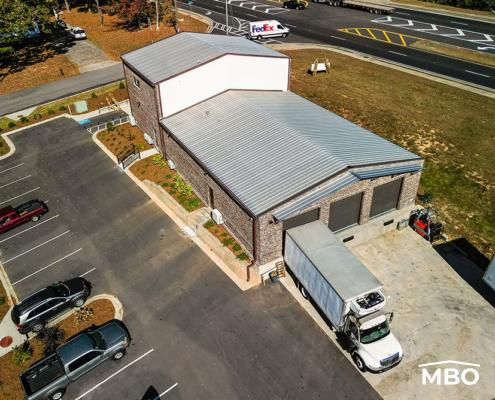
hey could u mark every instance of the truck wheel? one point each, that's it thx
(284, 35)
(35, 218)
(38, 327)
(359, 362)
(303, 291)
(118, 354)
(57, 395)
(259, 37)
(79, 302)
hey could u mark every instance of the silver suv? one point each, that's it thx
(34, 312)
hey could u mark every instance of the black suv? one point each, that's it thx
(32, 313)
(294, 4)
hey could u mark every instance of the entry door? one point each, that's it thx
(345, 212)
(385, 197)
(301, 219)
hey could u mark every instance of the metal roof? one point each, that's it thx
(376, 173)
(345, 179)
(340, 268)
(266, 147)
(179, 53)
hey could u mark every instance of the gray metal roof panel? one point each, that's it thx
(340, 268)
(166, 58)
(376, 173)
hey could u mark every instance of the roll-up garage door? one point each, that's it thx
(345, 212)
(385, 197)
(301, 219)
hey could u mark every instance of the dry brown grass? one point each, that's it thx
(115, 40)
(10, 387)
(122, 137)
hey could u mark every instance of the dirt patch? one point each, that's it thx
(449, 127)
(156, 170)
(113, 37)
(122, 137)
(10, 387)
(226, 239)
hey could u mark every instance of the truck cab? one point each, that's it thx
(11, 217)
(374, 346)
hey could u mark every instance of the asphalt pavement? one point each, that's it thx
(195, 334)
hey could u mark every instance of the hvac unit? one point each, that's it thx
(217, 216)
(171, 164)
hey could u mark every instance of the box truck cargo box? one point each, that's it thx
(267, 29)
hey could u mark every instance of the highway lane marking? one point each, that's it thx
(400, 54)
(166, 391)
(477, 73)
(252, 15)
(17, 180)
(16, 197)
(8, 169)
(459, 23)
(380, 35)
(48, 266)
(28, 229)
(37, 246)
(87, 272)
(115, 373)
(336, 37)
(401, 13)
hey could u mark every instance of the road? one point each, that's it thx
(190, 324)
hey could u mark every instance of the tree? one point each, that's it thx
(136, 12)
(51, 338)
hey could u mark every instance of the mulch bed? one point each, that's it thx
(156, 170)
(10, 387)
(4, 304)
(122, 137)
(226, 239)
(103, 100)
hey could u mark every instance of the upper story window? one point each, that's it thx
(137, 82)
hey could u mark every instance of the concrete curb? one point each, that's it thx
(482, 91)
(202, 18)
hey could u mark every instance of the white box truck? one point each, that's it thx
(267, 29)
(373, 6)
(345, 291)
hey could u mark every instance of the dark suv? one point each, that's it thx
(33, 313)
(294, 4)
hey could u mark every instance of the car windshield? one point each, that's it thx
(98, 341)
(60, 290)
(79, 31)
(376, 333)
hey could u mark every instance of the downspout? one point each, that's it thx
(248, 270)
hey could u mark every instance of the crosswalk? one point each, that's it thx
(253, 5)
(476, 38)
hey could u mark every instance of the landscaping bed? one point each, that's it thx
(452, 129)
(10, 387)
(226, 239)
(115, 38)
(4, 303)
(122, 137)
(156, 170)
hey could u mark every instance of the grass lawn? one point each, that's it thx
(226, 239)
(114, 39)
(155, 169)
(10, 386)
(436, 6)
(122, 137)
(451, 128)
(455, 51)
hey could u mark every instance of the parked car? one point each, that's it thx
(77, 33)
(35, 311)
(11, 217)
(60, 24)
(294, 4)
(49, 377)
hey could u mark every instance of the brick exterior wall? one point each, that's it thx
(143, 104)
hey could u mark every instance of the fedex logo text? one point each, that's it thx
(449, 375)
(264, 28)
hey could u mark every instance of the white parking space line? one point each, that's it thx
(20, 195)
(11, 168)
(336, 37)
(401, 13)
(28, 229)
(87, 272)
(17, 180)
(477, 73)
(166, 391)
(48, 266)
(36, 247)
(292, 26)
(115, 373)
(459, 23)
(400, 54)
(252, 15)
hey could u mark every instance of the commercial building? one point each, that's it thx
(220, 109)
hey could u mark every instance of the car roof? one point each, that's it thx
(75, 347)
(36, 298)
(6, 210)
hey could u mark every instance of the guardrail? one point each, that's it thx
(103, 125)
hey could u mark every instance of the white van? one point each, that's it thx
(266, 29)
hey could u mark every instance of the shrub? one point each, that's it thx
(168, 176)
(62, 108)
(132, 136)
(83, 315)
(192, 204)
(227, 241)
(2, 301)
(51, 338)
(22, 353)
(50, 111)
(224, 234)
(165, 184)
(110, 126)
(242, 257)
(11, 124)
(140, 146)
(24, 119)
(181, 186)
(236, 247)
(93, 95)
(158, 160)
(209, 224)
(37, 116)
(121, 85)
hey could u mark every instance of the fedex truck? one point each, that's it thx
(267, 29)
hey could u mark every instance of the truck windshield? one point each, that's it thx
(98, 341)
(376, 333)
(60, 290)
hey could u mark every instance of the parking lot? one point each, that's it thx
(195, 334)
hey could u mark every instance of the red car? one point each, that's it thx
(11, 217)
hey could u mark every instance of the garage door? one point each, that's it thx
(345, 212)
(302, 219)
(385, 197)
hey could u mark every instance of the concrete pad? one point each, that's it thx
(8, 328)
(438, 317)
(16, 116)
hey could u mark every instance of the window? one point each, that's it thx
(137, 82)
(40, 309)
(81, 361)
